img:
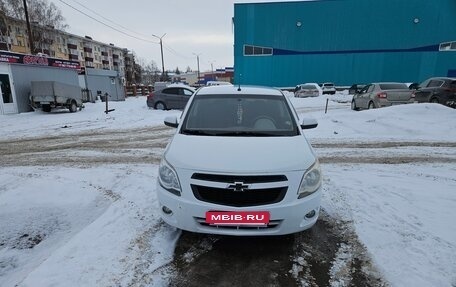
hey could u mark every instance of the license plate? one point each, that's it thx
(237, 217)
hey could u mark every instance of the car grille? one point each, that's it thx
(219, 189)
(271, 225)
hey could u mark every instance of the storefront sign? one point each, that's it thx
(14, 58)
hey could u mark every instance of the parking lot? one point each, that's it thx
(77, 204)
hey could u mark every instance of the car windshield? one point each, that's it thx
(308, 87)
(393, 86)
(235, 115)
(328, 85)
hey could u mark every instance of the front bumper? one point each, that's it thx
(286, 217)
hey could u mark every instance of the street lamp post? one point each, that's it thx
(161, 49)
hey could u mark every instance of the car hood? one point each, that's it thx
(240, 154)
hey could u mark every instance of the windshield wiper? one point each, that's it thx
(197, 132)
(246, 133)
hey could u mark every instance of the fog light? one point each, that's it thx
(310, 214)
(166, 210)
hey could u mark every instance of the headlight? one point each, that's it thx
(167, 178)
(311, 181)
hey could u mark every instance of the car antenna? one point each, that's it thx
(239, 87)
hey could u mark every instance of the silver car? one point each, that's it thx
(171, 97)
(377, 95)
(307, 90)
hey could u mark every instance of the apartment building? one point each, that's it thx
(59, 44)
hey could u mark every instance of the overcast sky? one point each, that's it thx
(192, 27)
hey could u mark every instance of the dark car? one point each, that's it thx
(437, 90)
(355, 88)
(171, 97)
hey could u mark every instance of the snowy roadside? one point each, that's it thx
(93, 222)
(403, 214)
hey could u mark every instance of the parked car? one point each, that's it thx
(355, 88)
(250, 169)
(217, 83)
(377, 95)
(437, 90)
(328, 88)
(171, 97)
(307, 90)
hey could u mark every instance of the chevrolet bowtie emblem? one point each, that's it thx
(238, 186)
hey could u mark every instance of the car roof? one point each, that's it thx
(383, 83)
(443, 78)
(244, 90)
(179, 86)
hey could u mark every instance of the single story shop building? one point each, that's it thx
(17, 71)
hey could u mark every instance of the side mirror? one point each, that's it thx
(309, 123)
(171, 122)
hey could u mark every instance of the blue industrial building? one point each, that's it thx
(344, 41)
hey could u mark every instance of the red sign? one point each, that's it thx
(237, 217)
(35, 60)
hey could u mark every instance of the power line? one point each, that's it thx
(171, 50)
(98, 14)
(175, 53)
(114, 28)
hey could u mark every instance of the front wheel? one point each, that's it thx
(353, 106)
(73, 107)
(434, 101)
(160, 106)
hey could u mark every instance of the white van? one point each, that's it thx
(217, 83)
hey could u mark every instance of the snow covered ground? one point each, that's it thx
(98, 224)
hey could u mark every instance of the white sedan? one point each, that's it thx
(239, 164)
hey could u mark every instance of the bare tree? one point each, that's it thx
(138, 73)
(3, 31)
(45, 17)
(40, 11)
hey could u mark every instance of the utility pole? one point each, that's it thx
(212, 70)
(198, 63)
(161, 49)
(28, 28)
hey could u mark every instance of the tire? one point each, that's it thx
(371, 105)
(160, 106)
(46, 108)
(353, 106)
(73, 107)
(434, 100)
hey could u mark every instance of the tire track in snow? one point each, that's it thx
(329, 254)
(85, 149)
